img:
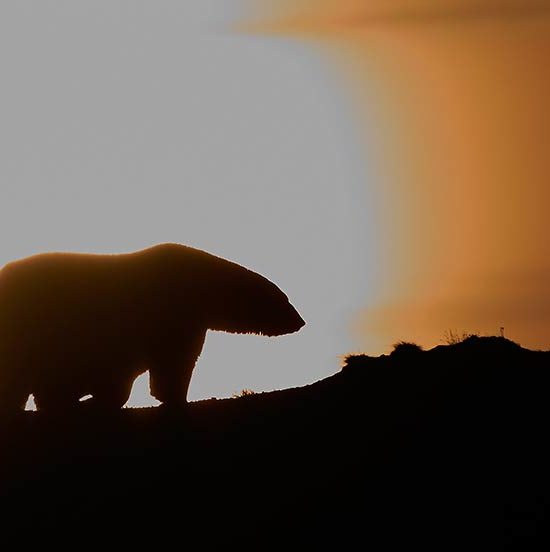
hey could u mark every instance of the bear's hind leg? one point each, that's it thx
(13, 397)
(113, 390)
(55, 400)
(113, 393)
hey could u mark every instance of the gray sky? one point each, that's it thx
(125, 124)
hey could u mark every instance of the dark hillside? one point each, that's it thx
(432, 446)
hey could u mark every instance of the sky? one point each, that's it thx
(385, 163)
(125, 124)
(453, 102)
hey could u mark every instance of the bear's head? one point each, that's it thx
(246, 302)
(230, 297)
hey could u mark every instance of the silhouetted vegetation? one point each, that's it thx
(445, 447)
(243, 393)
(406, 347)
(452, 337)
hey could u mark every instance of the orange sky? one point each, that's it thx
(453, 99)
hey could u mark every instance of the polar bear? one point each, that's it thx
(75, 324)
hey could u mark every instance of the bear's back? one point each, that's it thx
(43, 289)
(55, 272)
(39, 285)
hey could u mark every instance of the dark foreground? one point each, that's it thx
(436, 448)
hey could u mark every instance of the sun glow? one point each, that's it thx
(453, 98)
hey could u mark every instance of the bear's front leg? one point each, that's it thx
(13, 395)
(171, 367)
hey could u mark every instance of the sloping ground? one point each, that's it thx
(434, 447)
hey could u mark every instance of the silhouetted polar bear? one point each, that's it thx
(79, 324)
